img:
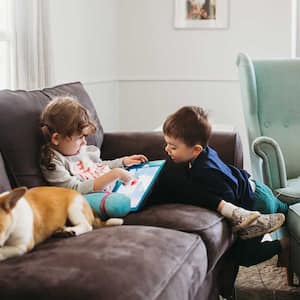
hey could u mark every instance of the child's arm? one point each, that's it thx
(62, 177)
(135, 159)
(126, 161)
(114, 174)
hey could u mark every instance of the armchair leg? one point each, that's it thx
(290, 276)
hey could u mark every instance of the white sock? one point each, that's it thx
(227, 209)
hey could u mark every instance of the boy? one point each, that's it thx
(227, 189)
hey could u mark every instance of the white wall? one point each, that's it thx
(138, 68)
(162, 68)
(83, 38)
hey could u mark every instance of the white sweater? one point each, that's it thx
(79, 171)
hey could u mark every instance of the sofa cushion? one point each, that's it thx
(128, 262)
(210, 226)
(4, 181)
(20, 137)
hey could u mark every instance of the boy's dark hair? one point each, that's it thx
(189, 124)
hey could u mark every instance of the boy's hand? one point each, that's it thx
(134, 160)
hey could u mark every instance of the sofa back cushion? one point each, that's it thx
(4, 181)
(20, 137)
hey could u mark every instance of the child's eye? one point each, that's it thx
(83, 136)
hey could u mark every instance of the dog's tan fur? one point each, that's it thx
(28, 217)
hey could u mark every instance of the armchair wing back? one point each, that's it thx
(271, 100)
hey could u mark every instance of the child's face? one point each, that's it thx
(69, 145)
(179, 151)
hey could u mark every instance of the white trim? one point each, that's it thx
(150, 79)
(294, 28)
(99, 81)
(153, 79)
(157, 78)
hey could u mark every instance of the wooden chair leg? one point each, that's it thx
(290, 276)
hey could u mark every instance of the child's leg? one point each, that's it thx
(239, 217)
(109, 205)
(253, 251)
(265, 201)
(250, 224)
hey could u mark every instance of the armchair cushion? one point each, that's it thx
(291, 193)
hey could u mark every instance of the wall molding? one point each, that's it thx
(172, 78)
(99, 81)
(155, 79)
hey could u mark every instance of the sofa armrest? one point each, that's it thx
(117, 144)
(273, 166)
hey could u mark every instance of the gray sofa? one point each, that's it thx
(167, 251)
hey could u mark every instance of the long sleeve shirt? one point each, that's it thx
(210, 174)
(79, 171)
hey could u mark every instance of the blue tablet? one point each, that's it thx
(137, 189)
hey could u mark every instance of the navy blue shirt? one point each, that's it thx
(210, 173)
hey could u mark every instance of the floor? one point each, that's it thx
(265, 281)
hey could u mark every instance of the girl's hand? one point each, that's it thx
(135, 159)
(123, 175)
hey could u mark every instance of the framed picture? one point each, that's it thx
(206, 14)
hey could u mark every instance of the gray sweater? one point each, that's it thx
(79, 171)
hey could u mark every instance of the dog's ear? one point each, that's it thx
(9, 200)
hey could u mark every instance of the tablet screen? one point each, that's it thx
(144, 177)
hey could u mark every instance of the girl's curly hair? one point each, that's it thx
(66, 116)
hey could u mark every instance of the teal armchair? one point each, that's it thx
(271, 100)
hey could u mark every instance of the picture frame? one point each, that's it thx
(201, 14)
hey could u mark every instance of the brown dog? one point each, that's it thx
(28, 217)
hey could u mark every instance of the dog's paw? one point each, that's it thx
(63, 233)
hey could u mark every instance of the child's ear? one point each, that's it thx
(197, 149)
(55, 138)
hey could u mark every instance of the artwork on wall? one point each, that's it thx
(206, 14)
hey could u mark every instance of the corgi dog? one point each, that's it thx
(28, 217)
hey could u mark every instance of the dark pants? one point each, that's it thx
(251, 252)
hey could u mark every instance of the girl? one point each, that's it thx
(67, 160)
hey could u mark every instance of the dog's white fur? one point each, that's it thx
(28, 217)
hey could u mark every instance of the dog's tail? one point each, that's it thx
(110, 222)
